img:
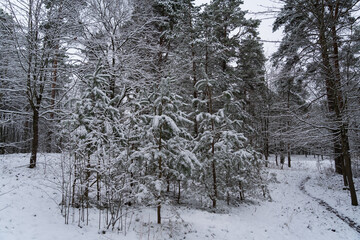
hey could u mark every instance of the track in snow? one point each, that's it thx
(346, 219)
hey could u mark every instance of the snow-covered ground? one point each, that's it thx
(29, 208)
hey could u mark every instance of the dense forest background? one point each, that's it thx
(145, 98)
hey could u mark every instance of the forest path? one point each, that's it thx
(344, 218)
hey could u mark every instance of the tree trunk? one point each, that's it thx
(289, 156)
(213, 163)
(330, 92)
(339, 163)
(266, 140)
(342, 168)
(178, 197)
(35, 140)
(347, 166)
(2, 139)
(168, 185)
(98, 187)
(288, 128)
(159, 212)
(266, 160)
(334, 94)
(113, 76)
(341, 105)
(210, 111)
(87, 178)
(214, 184)
(53, 96)
(242, 197)
(193, 55)
(160, 177)
(282, 159)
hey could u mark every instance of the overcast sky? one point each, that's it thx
(256, 9)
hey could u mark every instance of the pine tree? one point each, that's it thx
(253, 90)
(166, 140)
(220, 108)
(314, 28)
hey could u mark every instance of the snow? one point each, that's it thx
(328, 185)
(29, 208)
(159, 120)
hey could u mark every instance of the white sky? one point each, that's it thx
(256, 10)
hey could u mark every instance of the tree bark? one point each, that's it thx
(242, 196)
(53, 96)
(282, 159)
(35, 139)
(159, 213)
(160, 177)
(179, 191)
(210, 111)
(265, 137)
(194, 75)
(289, 155)
(333, 84)
(341, 105)
(288, 128)
(213, 163)
(347, 166)
(330, 87)
(168, 184)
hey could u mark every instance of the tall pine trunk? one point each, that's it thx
(210, 111)
(347, 165)
(213, 163)
(266, 140)
(341, 108)
(194, 68)
(335, 98)
(160, 177)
